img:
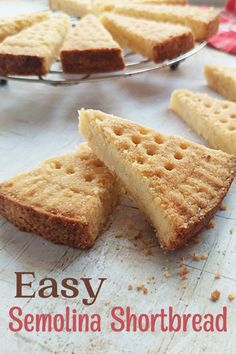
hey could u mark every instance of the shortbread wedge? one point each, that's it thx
(203, 24)
(12, 25)
(89, 48)
(33, 50)
(222, 79)
(155, 40)
(176, 183)
(213, 119)
(100, 6)
(77, 8)
(67, 199)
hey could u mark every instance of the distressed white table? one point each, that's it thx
(36, 122)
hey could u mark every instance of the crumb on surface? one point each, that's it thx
(198, 257)
(217, 275)
(183, 272)
(215, 295)
(142, 288)
(211, 224)
(151, 279)
(231, 296)
(167, 274)
(130, 287)
(148, 251)
(119, 235)
(223, 207)
(231, 231)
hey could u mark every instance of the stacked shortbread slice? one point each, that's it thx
(202, 23)
(177, 184)
(67, 199)
(76, 8)
(157, 41)
(33, 50)
(13, 25)
(89, 48)
(100, 6)
(213, 119)
(222, 79)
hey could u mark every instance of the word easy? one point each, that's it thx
(48, 287)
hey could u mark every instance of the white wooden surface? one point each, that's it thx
(37, 122)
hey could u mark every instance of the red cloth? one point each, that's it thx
(231, 6)
(225, 39)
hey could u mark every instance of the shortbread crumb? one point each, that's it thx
(142, 288)
(198, 257)
(211, 224)
(215, 295)
(231, 296)
(217, 275)
(223, 207)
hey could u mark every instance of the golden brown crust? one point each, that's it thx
(66, 199)
(11, 64)
(211, 29)
(172, 48)
(186, 234)
(91, 60)
(58, 229)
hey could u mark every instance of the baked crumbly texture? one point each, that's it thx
(213, 119)
(76, 8)
(89, 48)
(100, 6)
(13, 25)
(177, 184)
(222, 79)
(155, 40)
(33, 50)
(203, 24)
(67, 199)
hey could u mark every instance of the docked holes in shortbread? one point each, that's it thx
(67, 199)
(211, 118)
(176, 183)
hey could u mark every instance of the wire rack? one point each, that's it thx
(134, 65)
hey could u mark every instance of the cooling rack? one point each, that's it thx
(134, 65)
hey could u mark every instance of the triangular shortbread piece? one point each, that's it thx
(89, 48)
(100, 6)
(176, 183)
(155, 40)
(222, 79)
(13, 25)
(66, 199)
(33, 50)
(211, 118)
(76, 8)
(202, 23)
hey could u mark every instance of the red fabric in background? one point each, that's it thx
(225, 39)
(231, 6)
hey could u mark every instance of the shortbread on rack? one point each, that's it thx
(77, 8)
(177, 184)
(157, 41)
(222, 79)
(13, 25)
(89, 48)
(67, 199)
(211, 118)
(203, 24)
(100, 6)
(33, 50)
